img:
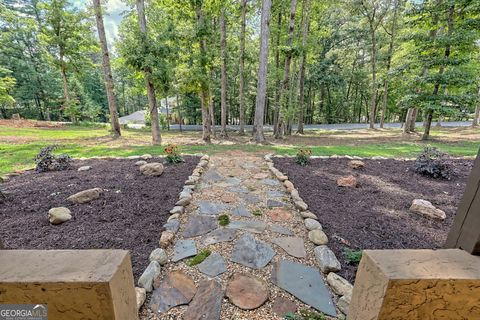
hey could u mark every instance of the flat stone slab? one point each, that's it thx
(232, 181)
(198, 225)
(275, 203)
(241, 211)
(184, 249)
(212, 175)
(279, 214)
(246, 291)
(219, 235)
(281, 306)
(211, 208)
(207, 303)
(213, 265)
(280, 229)
(250, 198)
(251, 252)
(238, 189)
(255, 226)
(305, 283)
(271, 182)
(294, 246)
(276, 194)
(175, 289)
(172, 225)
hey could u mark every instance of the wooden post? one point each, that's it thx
(465, 232)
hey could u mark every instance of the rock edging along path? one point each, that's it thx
(239, 220)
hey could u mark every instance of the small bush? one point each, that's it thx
(303, 156)
(434, 163)
(172, 154)
(198, 258)
(47, 161)
(223, 220)
(352, 256)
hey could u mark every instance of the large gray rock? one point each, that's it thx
(148, 276)
(280, 229)
(426, 208)
(158, 255)
(211, 208)
(198, 225)
(85, 196)
(153, 169)
(207, 303)
(252, 253)
(59, 215)
(241, 211)
(327, 261)
(84, 168)
(312, 224)
(213, 265)
(172, 225)
(184, 249)
(305, 283)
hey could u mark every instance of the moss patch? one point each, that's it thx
(257, 212)
(223, 220)
(198, 258)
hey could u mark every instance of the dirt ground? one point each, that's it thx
(129, 215)
(376, 215)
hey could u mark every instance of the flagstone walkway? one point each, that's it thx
(261, 265)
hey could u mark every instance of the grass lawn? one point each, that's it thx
(18, 146)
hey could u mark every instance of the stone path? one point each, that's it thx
(261, 265)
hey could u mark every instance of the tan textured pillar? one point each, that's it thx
(416, 285)
(75, 284)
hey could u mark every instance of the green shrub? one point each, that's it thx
(223, 220)
(352, 256)
(305, 314)
(303, 156)
(47, 161)
(434, 163)
(198, 258)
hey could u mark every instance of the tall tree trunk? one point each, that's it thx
(63, 73)
(242, 67)
(393, 33)
(152, 100)
(373, 99)
(168, 113)
(305, 26)
(278, 83)
(179, 110)
(107, 70)
(413, 119)
(450, 17)
(477, 111)
(204, 88)
(223, 56)
(262, 73)
(408, 120)
(286, 73)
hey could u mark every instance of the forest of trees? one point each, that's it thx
(281, 62)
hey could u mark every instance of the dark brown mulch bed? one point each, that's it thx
(129, 215)
(376, 215)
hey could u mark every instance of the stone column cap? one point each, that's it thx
(53, 266)
(425, 264)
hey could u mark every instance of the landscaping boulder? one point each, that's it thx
(149, 275)
(153, 169)
(85, 196)
(146, 156)
(318, 237)
(356, 164)
(312, 224)
(344, 303)
(140, 163)
(59, 215)
(340, 285)
(84, 168)
(166, 238)
(426, 208)
(141, 295)
(158, 255)
(326, 259)
(348, 181)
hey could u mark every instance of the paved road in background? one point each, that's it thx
(339, 126)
